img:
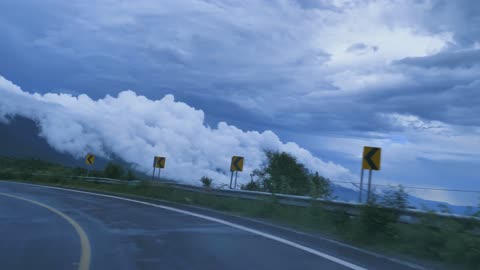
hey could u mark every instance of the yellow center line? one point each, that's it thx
(86, 252)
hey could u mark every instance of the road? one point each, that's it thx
(48, 228)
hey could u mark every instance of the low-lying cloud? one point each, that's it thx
(135, 128)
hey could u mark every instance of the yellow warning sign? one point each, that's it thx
(89, 159)
(237, 164)
(159, 162)
(371, 158)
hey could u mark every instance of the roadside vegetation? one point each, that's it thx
(18, 168)
(282, 173)
(378, 226)
(206, 181)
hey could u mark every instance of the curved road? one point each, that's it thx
(50, 228)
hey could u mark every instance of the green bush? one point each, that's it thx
(252, 186)
(113, 171)
(78, 171)
(130, 175)
(7, 175)
(397, 199)
(374, 223)
(206, 182)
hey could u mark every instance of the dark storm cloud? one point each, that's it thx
(462, 17)
(444, 87)
(463, 59)
(256, 58)
(361, 48)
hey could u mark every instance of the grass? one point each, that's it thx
(450, 241)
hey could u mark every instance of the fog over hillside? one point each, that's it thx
(135, 128)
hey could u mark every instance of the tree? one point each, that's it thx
(395, 199)
(285, 174)
(320, 186)
(113, 171)
(282, 173)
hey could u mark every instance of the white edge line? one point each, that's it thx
(370, 253)
(240, 227)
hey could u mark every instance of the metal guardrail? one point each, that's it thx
(92, 179)
(349, 208)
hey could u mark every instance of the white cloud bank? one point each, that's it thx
(136, 128)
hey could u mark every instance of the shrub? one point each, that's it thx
(443, 208)
(130, 175)
(113, 171)
(6, 175)
(252, 185)
(206, 181)
(395, 199)
(78, 171)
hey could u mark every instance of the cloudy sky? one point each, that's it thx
(330, 76)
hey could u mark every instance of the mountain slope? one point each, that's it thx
(19, 138)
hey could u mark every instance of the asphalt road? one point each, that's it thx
(45, 228)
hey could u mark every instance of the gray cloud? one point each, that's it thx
(228, 52)
(453, 60)
(361, 48)
(460, 17)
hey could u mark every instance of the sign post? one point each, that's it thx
(158, 162)
(89, 160)
(236, 176)
(369, 193)
(371, 161)
(361, 187)
(235, 166)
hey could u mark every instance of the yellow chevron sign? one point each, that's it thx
(237, 164)
(371, 158)
(159, 162)
(89, 159)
